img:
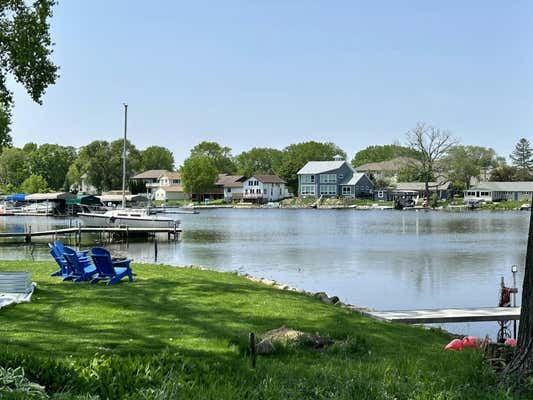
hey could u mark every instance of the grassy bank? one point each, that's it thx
(182, 333)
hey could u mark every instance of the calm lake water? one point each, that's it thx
(384, 260)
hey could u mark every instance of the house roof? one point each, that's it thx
(422, 186)
(356, 177)
(230, 180)
(318, 167)
(269, 179)
(171, 175)
(393, 165)
(172, 188)
(150, 174)
(505, 186)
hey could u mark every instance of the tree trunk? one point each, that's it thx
(523, 361)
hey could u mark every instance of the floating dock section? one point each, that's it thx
(446, 315)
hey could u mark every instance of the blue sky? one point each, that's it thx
(271, 73)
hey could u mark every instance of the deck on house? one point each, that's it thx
(444, 315)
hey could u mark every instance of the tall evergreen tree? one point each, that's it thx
(523, 156)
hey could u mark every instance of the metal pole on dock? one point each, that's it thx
(155, 249)
(124, 156)
(514, 270)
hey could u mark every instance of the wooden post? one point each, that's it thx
(28, 235)
(155, 249)
(174, 231)
(253, 352)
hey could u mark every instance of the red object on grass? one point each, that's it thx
(455, 344)
(470, 341)
(510, 342)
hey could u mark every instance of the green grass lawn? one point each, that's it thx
(182, 333)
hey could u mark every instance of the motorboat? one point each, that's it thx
(130, 217)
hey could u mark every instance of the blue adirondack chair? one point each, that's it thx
(82, 270)
(64, 270)
(112, 271)
(57, 250)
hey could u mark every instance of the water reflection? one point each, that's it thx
(383, 260)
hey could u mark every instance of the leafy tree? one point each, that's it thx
(102, 161)
(157, 157)
(220, 156)
(258, 161)
(52, 162)
(198, 174)
(34, 184)
(5, 137)
(382, 153)
(466, 162)
(25, 49)
(29, 147)
(133, 162)
(73, 178)
(522, 157)
(295, 156)
(504, 173)
(433, 145)
(13, 167)
(93, 160)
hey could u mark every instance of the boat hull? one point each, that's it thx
(103, 220)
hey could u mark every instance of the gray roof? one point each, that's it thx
(505, 186)
(150, 174)
(269, 179)
(319, 167)
(356, 177)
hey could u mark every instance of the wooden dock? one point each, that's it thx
(125, 232)
(448, 315)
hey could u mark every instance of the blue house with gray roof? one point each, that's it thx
(333, 179)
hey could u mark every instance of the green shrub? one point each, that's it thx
(15, 385)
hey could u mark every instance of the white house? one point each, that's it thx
(170, 178)
(499, 191)
(264, 188)
(171, 192)
(232, 185)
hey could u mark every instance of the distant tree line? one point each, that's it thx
(52, 167)
(436, 155)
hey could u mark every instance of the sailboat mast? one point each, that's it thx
(124, 156)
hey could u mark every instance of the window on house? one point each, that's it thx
(381, 194)
(307, 179)
(341, 176)
(346, 190)
(330, 190)
(307, 190)
(328, 178)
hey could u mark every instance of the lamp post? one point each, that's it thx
(514, 270)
